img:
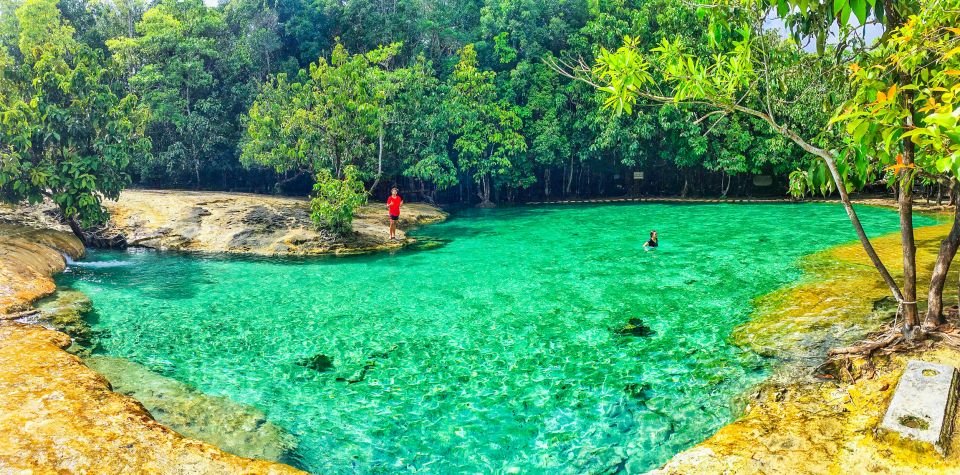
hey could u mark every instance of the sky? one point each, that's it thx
(870, 32)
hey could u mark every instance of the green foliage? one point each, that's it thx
(906, 89)
(65, 134)
(417, 132)
(335, 200)
(486, 127)
(171, 64)
(238, 99)
(329, 118)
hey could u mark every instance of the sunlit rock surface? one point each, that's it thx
(799, 425)
(56, 414)
(824, 428)
(28, 257)
(249, 224)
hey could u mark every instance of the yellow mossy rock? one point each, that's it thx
(822, 428)
(827, 427)
(833, 304)
(28, 259)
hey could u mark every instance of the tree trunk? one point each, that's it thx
(911, 316)
(941, 270)
(686, 186)
(484, 193)
(77, 230)
(546, 182)
(376, 181)
(570, 177)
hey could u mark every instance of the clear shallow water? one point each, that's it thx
(495, 352)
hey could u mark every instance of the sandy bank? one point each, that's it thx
(240, 223)
(59, 416)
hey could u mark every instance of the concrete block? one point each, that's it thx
(923, 404)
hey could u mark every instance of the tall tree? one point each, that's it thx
(65, 134)
(487, 129)
(175, 66)
(330, 117)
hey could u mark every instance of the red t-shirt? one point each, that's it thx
(393, 204)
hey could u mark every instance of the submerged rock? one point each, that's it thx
(236, 428)
(318, 362)
(635, 327)
(65, 311)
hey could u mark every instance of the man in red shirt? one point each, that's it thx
(393, 207)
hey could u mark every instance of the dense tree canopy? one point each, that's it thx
(217, 82)
(461, 100)
(65, 132)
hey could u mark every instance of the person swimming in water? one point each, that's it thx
(653, 242)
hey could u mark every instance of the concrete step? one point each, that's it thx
(923, 405)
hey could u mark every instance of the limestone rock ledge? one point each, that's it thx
(59, 416)
(240, 223)
(28, 257)
(822, 428)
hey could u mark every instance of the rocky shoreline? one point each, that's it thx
(56, 412)
(807, 421)
(239, 223)
(66, 414)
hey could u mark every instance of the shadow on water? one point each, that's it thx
(140, 273)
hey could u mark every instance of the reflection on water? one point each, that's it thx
(534, 339)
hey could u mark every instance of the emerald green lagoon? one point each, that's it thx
(500, 350)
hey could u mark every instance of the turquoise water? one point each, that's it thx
(499, 351)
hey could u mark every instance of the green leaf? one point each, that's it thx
(859, 8)
(943, 164)
(845, 15)
(783, 8)
(839, 5)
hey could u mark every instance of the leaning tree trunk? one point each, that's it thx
(948, 249)
(376, 180)
(77, 230)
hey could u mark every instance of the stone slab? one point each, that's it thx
(923, 404)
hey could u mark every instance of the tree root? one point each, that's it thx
(893, 340)
(865, 349)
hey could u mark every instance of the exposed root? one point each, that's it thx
(893, 340)
(865, 349)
